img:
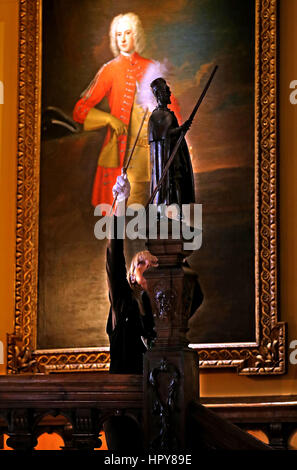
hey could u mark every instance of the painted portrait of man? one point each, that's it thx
(119, 80)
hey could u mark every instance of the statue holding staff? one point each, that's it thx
(163, 134)
(172, 174)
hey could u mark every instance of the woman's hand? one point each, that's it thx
(121, 190)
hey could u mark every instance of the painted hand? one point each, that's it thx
(118, 126)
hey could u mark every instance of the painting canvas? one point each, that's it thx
(190, 37)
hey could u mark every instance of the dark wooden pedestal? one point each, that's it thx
(171, 375)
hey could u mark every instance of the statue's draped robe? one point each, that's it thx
(178, 186)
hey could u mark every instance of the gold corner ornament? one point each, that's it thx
(20, 357)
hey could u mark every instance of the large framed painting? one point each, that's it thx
(61, 290)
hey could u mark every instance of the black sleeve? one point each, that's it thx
(197, 298)
(119, 288)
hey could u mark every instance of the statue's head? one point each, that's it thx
(126, 34)
(161, 91)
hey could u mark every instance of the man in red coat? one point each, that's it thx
(118, 80)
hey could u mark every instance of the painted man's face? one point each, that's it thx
(125, 36)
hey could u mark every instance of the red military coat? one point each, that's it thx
(117, 81)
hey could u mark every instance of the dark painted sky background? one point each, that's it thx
(193, 36)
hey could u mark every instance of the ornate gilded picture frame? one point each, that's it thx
(266, 353)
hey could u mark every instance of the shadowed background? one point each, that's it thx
(193, 36)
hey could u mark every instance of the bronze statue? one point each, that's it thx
(163, 134)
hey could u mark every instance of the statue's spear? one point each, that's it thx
(183, 133)
(125, 168)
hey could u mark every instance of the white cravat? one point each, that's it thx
(127, 53)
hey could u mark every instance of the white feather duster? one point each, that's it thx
(144, 95)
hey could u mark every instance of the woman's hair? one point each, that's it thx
(141, 255)
(138, 32)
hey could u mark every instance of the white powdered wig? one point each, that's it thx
(138, 32)
(145, 97)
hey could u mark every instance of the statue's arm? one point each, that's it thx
(163, 124)
(183, 128)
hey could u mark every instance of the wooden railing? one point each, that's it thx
(86, 400)
(275, 417)
(208, 431)
(75, 405)
(163, 403)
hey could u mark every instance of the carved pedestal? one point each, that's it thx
(171, 376)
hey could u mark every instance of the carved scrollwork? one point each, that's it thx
(268, 358)
(165, 404)
(73, 361)
(165, 300)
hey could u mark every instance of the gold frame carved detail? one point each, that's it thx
(267, 355)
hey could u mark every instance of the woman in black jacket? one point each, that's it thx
(130, 324)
